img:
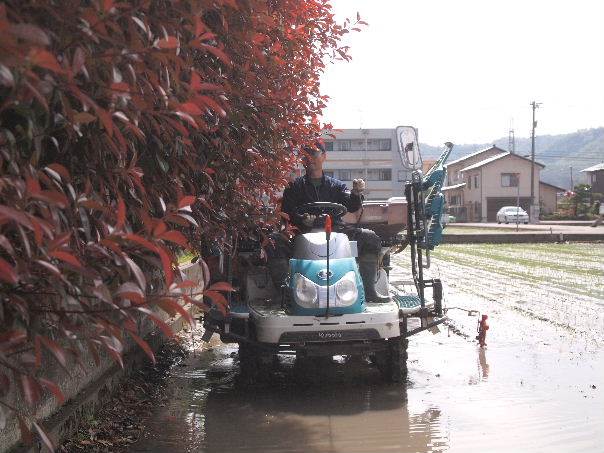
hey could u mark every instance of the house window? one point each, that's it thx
(476, 181)
(509, 179)
(469, 182)
(347, 174)
(373, 144)
(379, 174)
(344, 175)
(342, 145)
(455, 200)
(357, 173)
(385, 144)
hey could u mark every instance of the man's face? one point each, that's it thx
(313, 160)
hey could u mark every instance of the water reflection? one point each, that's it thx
(482, 363)
(338, 406)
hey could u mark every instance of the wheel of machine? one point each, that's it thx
(392, 362)
(255, 363)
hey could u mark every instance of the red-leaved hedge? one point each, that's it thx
(130, 130)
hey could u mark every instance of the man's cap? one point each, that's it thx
(317, 146)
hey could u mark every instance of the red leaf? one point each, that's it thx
(216, 297)
(131, 291)
(217, 53)
(38, 351)
(138, 273)
(45, 59)
(105, 119)
(121, 213)
(30, 389)
(221, 286)
(186, 284)
(206, 272)
(187, 200)
(44, 437)
(26, 436)
(141, 241)
(188, 118)
(54, 388)
(175, 236)
(11, 338)
(37, 232)
(7, 273)
(79, 58)
(167, 265)
(56, 350)
(51, 267)
(144, 346)
(61, 170)
(67, 257)
(165, 328)
(189, 218)
(171, 307)
(195, 81)
(171, 42)
(17, 216)
(52, 197)
(160, 229)
(33, 185)
(115, 354)
(190, 108)
(30, 33)
(211, 103)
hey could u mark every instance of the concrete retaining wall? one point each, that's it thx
(85, 388)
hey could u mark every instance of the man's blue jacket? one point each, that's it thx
(302, 191)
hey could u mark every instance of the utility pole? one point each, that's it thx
(535, 106)
(511, 142)
(572, 186)
(511, 139)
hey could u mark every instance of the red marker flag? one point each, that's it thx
(327, 225)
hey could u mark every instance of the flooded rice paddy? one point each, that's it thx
(537, 387)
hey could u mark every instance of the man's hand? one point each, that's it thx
(308, 220)
(358, 186)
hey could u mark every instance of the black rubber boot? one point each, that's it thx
(278, 268)
(368, 268)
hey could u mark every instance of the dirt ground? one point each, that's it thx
(537, 386)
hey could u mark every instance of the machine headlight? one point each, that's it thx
(305, 291)
(346, 289)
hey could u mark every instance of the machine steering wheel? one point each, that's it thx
(322, 207)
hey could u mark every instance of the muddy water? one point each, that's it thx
(537, 387)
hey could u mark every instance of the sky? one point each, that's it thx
(466, 70)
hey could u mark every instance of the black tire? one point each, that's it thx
(255, 362)
(392, 362)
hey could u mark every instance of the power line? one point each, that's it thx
(553, 156)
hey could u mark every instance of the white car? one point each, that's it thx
(512, 214)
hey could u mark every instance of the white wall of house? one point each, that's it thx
(493, 175)
(454, 168)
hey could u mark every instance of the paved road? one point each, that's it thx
(555, 228)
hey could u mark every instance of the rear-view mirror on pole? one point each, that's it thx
(408, 147)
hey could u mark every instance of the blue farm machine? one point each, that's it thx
(322, 310)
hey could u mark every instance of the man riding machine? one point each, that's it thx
(327, 293)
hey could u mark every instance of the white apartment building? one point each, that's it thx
(371, 154)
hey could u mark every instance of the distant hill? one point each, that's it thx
(558, 153)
